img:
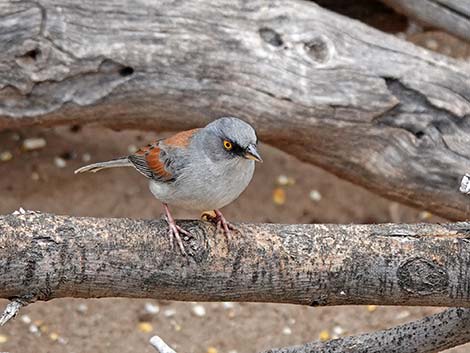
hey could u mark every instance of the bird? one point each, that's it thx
(201, 169)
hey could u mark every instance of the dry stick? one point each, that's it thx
(452, 16)
(367, 106)
(44, 256)
(160, 345)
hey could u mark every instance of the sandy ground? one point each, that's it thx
(38, 181)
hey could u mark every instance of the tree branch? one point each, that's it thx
(452, 16)
(364, 105)
(432, 334)
(45, 256)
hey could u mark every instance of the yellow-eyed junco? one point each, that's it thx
(201, 169)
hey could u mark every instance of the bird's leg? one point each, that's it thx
(175, 230)
(220, 221)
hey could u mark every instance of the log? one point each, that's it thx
(366, 106)
(44, 256)
(453, 16)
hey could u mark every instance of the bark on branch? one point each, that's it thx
(364, 105)
(452, 16)
(45, 256)
(430, 335)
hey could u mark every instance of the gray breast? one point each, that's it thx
(204, 185)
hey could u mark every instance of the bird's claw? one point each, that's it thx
(175, 232)
(219, 221)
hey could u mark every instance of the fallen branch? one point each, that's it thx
(364, 105)
(432, 334)
(452, 16)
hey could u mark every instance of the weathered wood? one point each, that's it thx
(452, 16)
(44, 257)
(366, 106)
(432, 334)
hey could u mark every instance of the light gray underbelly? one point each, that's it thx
(204, 193)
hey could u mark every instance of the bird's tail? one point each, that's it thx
(95, 167)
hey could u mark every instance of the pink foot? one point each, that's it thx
(175, 230)
(220, 221)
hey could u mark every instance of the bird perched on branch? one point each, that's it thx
(201, 169)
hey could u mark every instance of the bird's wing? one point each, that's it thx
(156, 160)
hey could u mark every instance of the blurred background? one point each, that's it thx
(36, 169)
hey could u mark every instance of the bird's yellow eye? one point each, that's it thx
(228, 145)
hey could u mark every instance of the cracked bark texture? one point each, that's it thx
(44, 256)
(452, 16)
(363, 105)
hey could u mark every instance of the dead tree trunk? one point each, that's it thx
(44, 257)
(452, 16)
(366, 106)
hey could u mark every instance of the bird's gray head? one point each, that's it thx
(231, 138)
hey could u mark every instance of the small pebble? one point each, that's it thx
(152, 308)
(132, 149)
(212, 350)
(287, 331)
(35, 143)
(315, 195)
(25, 319)
(324, 335)
(53, 336)
(34, 329)
(3, 338)
(431, 44)
(199, 310)
(291, 321)
(5, 156)
(60, 162)
(371, 308)
(35, 176)
(338, 330)
(86, 157)
(228, 305)
(231, 314)
(15, 137)
(403, 314)
(279, 196)
(233, 351)
(145, 327)
(424, 215)
(169, 312)
(82, 308)
(284, 180)
(177, 327)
